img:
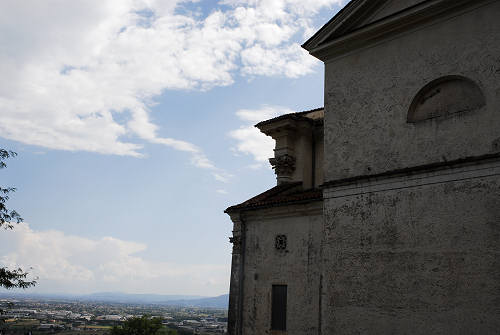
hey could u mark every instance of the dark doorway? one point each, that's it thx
(278, 313)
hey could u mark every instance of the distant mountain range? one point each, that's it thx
(221, 301)
(118, 297)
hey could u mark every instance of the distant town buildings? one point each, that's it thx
(97, 318)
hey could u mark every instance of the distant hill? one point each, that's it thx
(135, 298)
(222, 301)
(126, 298)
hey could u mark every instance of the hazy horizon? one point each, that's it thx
(48, 294)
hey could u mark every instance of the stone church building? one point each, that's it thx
(386, 214)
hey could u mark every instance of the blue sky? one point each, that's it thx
(133, 120)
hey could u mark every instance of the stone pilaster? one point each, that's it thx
(235, 288)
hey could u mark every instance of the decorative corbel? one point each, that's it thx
(284, 166)
(236, 241)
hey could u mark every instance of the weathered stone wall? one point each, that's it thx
(420, 259)
(419, 253)
(303, 156)
(319, 150)
(236, 282)
(296, 267)
(368, 94)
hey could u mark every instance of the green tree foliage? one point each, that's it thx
(6, 216)
(144, 325)
(17, 277)
(166, 331)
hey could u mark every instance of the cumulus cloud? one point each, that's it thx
(68, 263)
(249, 140)
(83, 74)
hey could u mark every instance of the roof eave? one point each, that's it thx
(332, 24)
(264, 195)
(234, 209)
(328, 44)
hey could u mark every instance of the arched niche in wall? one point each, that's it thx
(444, 97)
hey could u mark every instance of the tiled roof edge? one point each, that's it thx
(270, 198)
(296, 116)
(270, 204)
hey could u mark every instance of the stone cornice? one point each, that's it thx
(336, 39)
(283, 127)
(338, 22)
(460, 169)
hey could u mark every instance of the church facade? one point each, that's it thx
(386, 214)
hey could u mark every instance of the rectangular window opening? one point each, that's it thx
(278, 310)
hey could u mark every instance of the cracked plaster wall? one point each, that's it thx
(368, 94)
(423, 259)
(297, 267)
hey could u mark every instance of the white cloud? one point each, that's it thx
(291, 61)
(222, 176)
(221, 191)
(67, 263)
(83, 74)
(250, 141)
(264, 113)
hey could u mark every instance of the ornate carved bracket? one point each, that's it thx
(236, 241)
(283, 165)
